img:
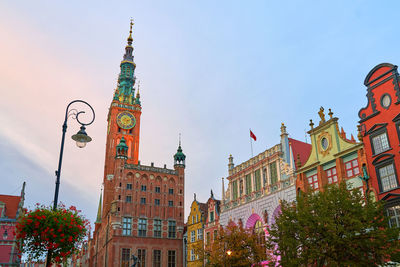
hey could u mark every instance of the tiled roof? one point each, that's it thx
(12, 203)
(301, 148)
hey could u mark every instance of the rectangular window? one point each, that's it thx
(331, 175)
(142, 227)
(141, 254)
(156, 258)
(171, 229)
(157, 228)
(171, 191)
(380, 143)
(313, 181)
(171, 258)
(248, 184)
(192, 255)
(129, 186)
(215, 234)
(170, 203)
(193, 219)
(126, 254)
(394, 216)
(273, 173)
(352, 168)
(208, 238)
(257, 180)
(241, 187)
(157, 202)
(200, 234)
(265, 176)
(143, 188)
(234, 190)
(211, 216)
(142, 200)
(128, 199)
(387, 177)
(192, 236)
(158, 189)
(126, 226)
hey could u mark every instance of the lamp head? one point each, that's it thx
(81, 137)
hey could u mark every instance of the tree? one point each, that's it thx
(244, 246)
(335, 227)
(61, 231)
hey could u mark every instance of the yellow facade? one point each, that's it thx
(195, 233)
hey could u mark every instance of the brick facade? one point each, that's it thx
(141, 212)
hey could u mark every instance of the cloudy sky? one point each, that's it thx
(209, 70)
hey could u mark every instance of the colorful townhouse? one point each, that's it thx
(334, 158)
(211, 226)
(11, 208)
(256, 186)
(195, 232)
(380, 132)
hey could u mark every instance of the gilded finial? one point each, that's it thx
(130, 39)
(138, 87)
(330, 113)
(179, 139)
(311, 124)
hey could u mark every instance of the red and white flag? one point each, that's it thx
(252, 135)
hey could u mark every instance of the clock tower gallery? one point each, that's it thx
(142, 211)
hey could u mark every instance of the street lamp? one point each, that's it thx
(81, 139)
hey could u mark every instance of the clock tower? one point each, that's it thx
(124, 113)
(141, 211)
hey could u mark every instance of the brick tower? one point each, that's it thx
(141, 214)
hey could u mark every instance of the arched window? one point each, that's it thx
(258, 227)
(259, 231)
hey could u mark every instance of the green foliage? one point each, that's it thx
(335, 227)
(42, 229)
(246, 248)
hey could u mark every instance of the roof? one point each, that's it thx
(12, 203)
(301, 148)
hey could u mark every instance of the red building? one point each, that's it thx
(142, 210)
(211, 226)
(11, 207)
(380, 131)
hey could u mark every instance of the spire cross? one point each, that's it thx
(179, 139)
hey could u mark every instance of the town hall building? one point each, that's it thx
(141, 213)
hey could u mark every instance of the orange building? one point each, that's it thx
(380, 133)
(141, 211)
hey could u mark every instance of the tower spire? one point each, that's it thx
(125, 92)
(129, 48)
(98, 219)
(130, 39)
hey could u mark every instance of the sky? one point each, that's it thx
(210, 70)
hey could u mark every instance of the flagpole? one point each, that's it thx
(251, 144)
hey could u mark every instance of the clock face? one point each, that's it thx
(126, 120)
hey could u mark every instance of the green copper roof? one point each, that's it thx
(179, 156)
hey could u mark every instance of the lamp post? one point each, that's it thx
(81, 139)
